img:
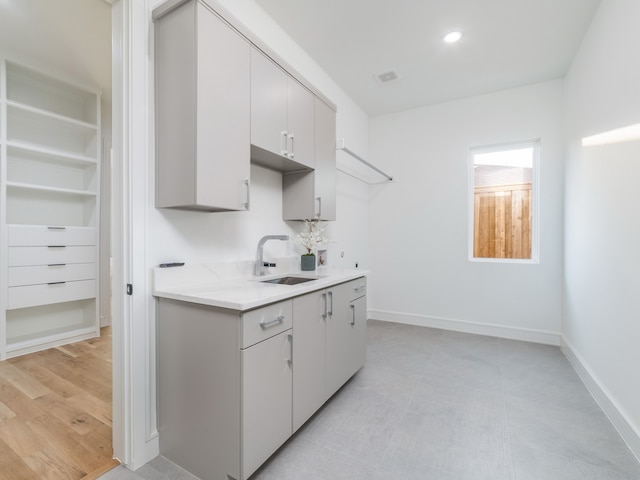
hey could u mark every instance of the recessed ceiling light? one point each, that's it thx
(452, 37)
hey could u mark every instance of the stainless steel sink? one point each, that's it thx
(288, 280)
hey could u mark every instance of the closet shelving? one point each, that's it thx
(49, 144)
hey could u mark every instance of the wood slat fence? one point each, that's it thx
(502, 221)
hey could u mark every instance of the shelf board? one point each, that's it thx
(51, 115)
(51, 152)
(43, 188)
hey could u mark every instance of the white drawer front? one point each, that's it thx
(34, 295)
(34, 275)
(34, 235)
(24, 256)
(265, 322)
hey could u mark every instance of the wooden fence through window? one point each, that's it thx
(502, 221)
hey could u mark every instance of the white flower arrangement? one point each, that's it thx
(311, 236)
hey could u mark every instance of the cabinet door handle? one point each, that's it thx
(290, 359)
(319, 200)
(273, 322)
(331, 308)
(284, 141)
(247, 204)
(353, 315)
(325, 313)
(293, 153)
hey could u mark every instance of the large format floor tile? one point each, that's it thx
(438, 405)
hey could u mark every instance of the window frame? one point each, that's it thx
(535, 203)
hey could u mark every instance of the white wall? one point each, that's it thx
(601, 324)
(419, 258)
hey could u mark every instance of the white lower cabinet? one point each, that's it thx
(234, 386)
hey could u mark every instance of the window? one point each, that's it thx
(503, 202)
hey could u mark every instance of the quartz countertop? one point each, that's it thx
(230, 286)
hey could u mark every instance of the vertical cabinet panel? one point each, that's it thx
(300, 123)
(266, 399)
(202, 111)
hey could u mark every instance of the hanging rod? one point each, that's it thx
(340, 146)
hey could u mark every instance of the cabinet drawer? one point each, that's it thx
(24, 256)
(38, 235)
(18, 276)
(34, 295)
(356, 288)
(266, 322)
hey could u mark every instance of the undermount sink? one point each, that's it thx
(288, 280)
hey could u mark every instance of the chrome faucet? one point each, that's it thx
(261, 265)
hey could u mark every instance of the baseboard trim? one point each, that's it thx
(612, 409)
(501, 331)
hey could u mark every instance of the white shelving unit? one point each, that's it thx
(49, 210)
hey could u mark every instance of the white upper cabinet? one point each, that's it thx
(202, 111)
(282, 117)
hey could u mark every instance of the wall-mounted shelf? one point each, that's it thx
(361, 169)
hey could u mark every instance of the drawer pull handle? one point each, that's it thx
(57, 228)
(57, 265)
(273, 322)
(56, 246)
(359, 288)
(56, 283)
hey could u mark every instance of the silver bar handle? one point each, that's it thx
(353, 315)
(290, 359)
(293, 153)
(331, 308)
(325, 314)
(359, 288)
(271, 323)
(56, 283)
(247, 204)
(56, 246)
(284, 142)
(56, 228)
(319, 200)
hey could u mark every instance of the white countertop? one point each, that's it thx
(229, 286)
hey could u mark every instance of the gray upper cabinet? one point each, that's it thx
(282, 117)
(309, 195)
(203, 90)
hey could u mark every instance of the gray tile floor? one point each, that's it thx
(434, 404)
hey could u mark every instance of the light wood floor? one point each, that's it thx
(55, 413)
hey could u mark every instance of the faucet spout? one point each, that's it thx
(260, 263)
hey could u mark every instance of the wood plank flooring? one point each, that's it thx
(55, 413)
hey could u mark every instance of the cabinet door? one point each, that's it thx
(358, 323)
(266, 399)
(312, 194)
(268, 104)
(308, 356)
(338, 339)
(223, 114)
(300, 124)
(325, 170)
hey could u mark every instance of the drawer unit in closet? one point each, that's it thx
(48, 293)
(38, 235)
(33, 275)
(50, 255)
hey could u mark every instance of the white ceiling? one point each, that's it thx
(67, 37)
(505, 43)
